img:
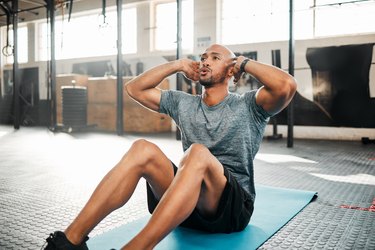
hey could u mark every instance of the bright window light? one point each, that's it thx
(129, 31)
(86, 36)
(254, 21)
(279, 158)
(303, 19)
(268, 20)
(344, 19)
(166, 25)
(23, 54)
(364, 179)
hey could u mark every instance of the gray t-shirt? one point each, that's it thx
(232, 130)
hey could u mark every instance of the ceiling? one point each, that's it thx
(29, 10)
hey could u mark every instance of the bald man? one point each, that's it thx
(213, 187)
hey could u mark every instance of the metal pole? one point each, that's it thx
(48, 73)
(179, 53)
(16, 79)
(51, 9)
(290, 111)
(179, 25)
(120, 122)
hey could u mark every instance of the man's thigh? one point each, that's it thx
(152, 197)
(233, 212)
(201, 161)
(152, 163)
(212, 189)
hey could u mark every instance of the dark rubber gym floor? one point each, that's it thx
(45, 178)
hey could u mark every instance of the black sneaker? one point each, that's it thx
(58, 241)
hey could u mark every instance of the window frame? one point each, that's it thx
(154, 29)
(300, 31)
(44, 37)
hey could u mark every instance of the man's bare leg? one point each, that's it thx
(143, 159)
(199, 183)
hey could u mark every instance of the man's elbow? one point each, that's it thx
(290, 88)
(130, 90)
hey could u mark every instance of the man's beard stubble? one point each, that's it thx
(206, 83)
(211, 81)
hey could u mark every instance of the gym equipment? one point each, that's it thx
(74, 106)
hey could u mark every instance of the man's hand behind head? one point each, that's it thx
(190, 69)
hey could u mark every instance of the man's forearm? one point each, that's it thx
(152, 77)
(271, 77)
(278, 86)
(143, 87)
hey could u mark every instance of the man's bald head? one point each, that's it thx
(218, 48)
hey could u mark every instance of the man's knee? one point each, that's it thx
(142, 144)
(143, 151)
(197, 156)
(198, 150)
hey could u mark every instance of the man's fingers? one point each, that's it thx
(237, 77)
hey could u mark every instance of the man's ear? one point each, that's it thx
(231, 71)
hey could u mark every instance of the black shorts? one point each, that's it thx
(233, 214)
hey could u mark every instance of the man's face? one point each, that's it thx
(215, 64)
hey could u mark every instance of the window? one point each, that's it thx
(23, 54)
(333, 18)
(43, 42)
(268, 20)
(129, 31)
(166, 25)
(255, 21)
(303, 19)
(86, 36)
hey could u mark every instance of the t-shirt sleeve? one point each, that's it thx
(256, 109)
(169, 102)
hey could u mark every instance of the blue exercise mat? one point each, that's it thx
(274, 207)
